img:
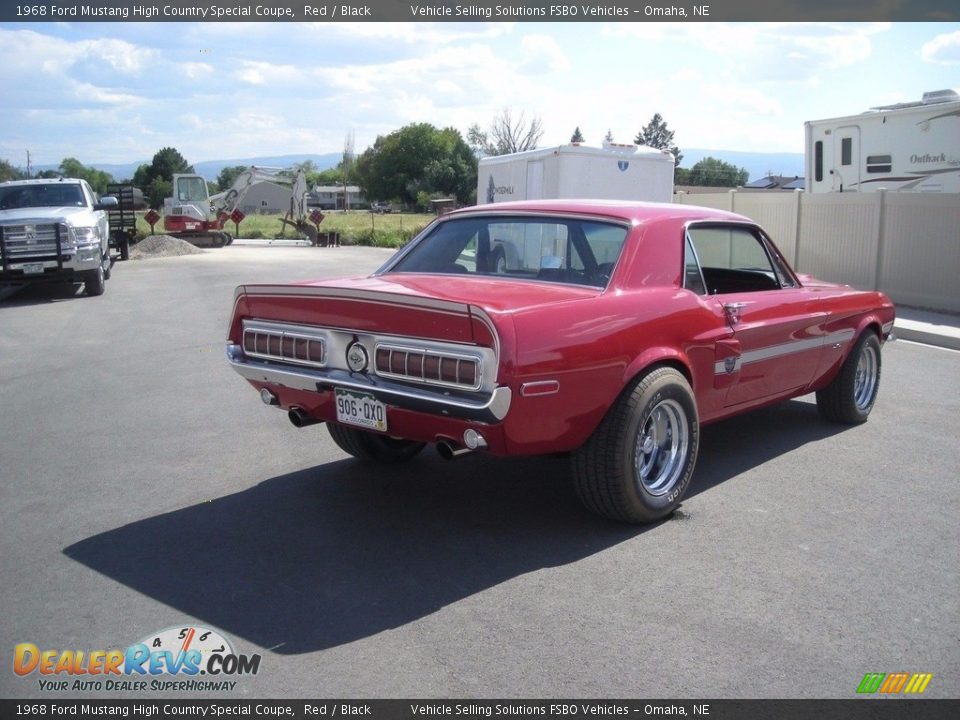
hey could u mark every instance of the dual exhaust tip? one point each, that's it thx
(447, 449)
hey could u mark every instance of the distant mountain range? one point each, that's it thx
(758, 165)
(211, 168)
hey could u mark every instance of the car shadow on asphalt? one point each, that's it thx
(336, 553)
(39, 294)
(731, 447)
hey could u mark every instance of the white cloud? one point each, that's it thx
(542, 54)
(943, 49)
(91, 93)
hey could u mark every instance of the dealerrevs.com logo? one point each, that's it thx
(894, 683)
(178, 658)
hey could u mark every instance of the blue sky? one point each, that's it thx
(118, 92)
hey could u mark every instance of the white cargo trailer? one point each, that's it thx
(911, 147)
(613, 172)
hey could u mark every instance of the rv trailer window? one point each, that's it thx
(818, 160)
(879, 163)
(846, 151)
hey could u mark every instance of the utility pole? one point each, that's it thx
(347, 166)
(29, 174)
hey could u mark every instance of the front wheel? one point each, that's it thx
(850, 397)
(94, 282)
(373, 446)
(637, 465)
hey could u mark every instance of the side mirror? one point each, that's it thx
(108, 202)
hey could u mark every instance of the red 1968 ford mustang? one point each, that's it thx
(607, 330)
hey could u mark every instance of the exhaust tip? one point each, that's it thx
(449, 451)
(300, 419)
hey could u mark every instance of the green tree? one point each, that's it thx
(577, 136)
(711, 172)
(156, 178)
(657, 135)
(417, 158)
(227, 175)
(98, 179)
(330, 176)
(9, 172)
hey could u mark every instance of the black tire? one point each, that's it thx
(637, 465)
(499, 261)
(125, 248)
(373, 446)
(95, 281)
(849, 398)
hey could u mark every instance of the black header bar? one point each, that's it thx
(478, 11)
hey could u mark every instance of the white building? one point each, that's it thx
(336, 197)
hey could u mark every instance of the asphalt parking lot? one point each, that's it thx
(146, 486)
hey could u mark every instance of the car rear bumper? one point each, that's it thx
(479, 407)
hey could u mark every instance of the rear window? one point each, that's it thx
(564, 250)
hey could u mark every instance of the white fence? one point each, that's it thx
(906, 244)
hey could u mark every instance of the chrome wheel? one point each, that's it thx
(660, 454)
(865, 379)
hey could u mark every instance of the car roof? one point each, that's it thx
(633, 211)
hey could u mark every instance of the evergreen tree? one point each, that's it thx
(655, 134)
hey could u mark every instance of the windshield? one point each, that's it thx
(191, 188)
(47, 195)
(554, 249)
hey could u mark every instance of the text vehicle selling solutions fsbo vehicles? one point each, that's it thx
(638, 324)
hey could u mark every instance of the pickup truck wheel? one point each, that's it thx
(499, 261)
(637, 465)
(373, 446)
(850, 397)
(94, 282)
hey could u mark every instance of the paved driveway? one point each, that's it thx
(146, 486)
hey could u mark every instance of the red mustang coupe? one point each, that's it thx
(607, 330)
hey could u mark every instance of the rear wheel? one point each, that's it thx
(850, 397)
(499, 261)
(637, 465)
(373, 446)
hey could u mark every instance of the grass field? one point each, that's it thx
(356, 227)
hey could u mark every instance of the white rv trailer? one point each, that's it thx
(911, 147)
(612, 172)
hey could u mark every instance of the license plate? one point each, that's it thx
(361, 409)
(32, 268)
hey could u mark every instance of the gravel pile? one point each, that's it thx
(158, 246)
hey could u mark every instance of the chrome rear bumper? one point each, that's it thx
(480, 407)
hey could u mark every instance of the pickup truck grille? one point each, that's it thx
(284, 346)
(428, 366)
(24, 242)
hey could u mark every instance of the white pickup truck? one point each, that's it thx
(54, 230)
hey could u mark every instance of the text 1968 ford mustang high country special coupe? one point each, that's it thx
(609, 331)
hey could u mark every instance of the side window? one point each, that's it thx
(846, 151)
(692, 279)
(733, 260)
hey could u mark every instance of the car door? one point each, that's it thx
(777, 325)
